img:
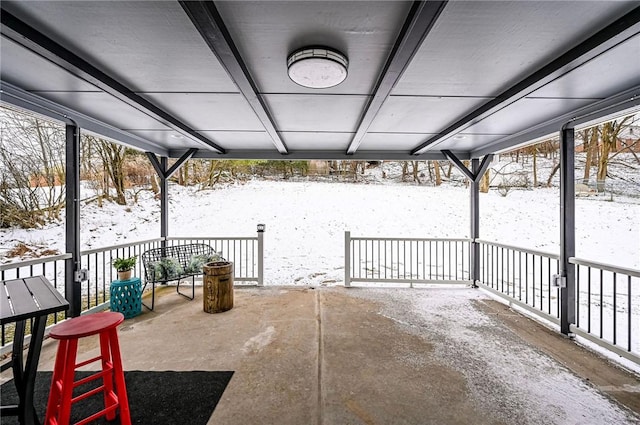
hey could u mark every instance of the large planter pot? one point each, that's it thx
(218, 287)
(126, 275)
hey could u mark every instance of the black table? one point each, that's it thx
(22, 300)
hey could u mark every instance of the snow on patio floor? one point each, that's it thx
(509, 377)
(363, 355)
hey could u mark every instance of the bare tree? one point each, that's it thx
(113, 157)
(32, 169)
(609, 137)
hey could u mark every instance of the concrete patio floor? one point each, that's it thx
(376, 356)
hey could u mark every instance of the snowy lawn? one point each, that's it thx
(306, 221)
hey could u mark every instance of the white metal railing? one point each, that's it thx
(607, 297)
(99, 265)
(608, 306)
(524, 275)
(247, 254)
(406, 260)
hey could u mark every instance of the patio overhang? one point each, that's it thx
(468, 77)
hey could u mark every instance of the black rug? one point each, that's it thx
(155, 398)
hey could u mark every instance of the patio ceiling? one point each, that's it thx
(469, 77)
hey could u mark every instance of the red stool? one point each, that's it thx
(62, 384)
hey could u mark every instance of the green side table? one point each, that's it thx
(126, 297)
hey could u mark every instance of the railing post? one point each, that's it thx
(261, 228)
(347, 259)
(567, 229)
(72, 226)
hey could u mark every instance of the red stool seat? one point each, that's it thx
(63, 381)
(88, 325)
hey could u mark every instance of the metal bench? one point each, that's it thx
(174, 263)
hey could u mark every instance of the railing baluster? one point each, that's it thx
(526, 286)
(601, 304)
(455, 251)
(549, 284)
(589, 299)
(578, 295)
(629, 312)
(615, 327)
(449, 259)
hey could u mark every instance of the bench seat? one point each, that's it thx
(174, 263)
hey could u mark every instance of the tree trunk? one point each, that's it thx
(155, 187)
(484, 183)
(603, 163)
(436, 169)
(534, 152)
(466, 163)
(554, 170)
(591, 144)
(415, 165)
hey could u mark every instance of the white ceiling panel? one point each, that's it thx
(480, 48)
(299, 112)
(465, 142)
(146, 45)
(106, 108)
(391, 141)
(259, 140)
(619, 69)
(25, 69)
(406, 114)
(209, 111)
(315, 140)
(167, 138)
(267, 32)
(525, 113)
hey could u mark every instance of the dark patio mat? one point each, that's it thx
(155, 398)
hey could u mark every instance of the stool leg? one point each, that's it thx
(107, 380)
(53, 404)
(123, 400)
(67, 382)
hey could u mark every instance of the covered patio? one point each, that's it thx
(371, 356)
(438, 80)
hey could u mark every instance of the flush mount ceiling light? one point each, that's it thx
(317, 67)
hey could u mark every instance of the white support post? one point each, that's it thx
(261, 228)
(347, 259)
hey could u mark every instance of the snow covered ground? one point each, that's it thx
(306, 221)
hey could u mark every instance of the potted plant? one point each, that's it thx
(124, 267)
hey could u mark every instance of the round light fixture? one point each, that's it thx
(317, 67)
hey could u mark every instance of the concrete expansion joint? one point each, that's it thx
(320, 405)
